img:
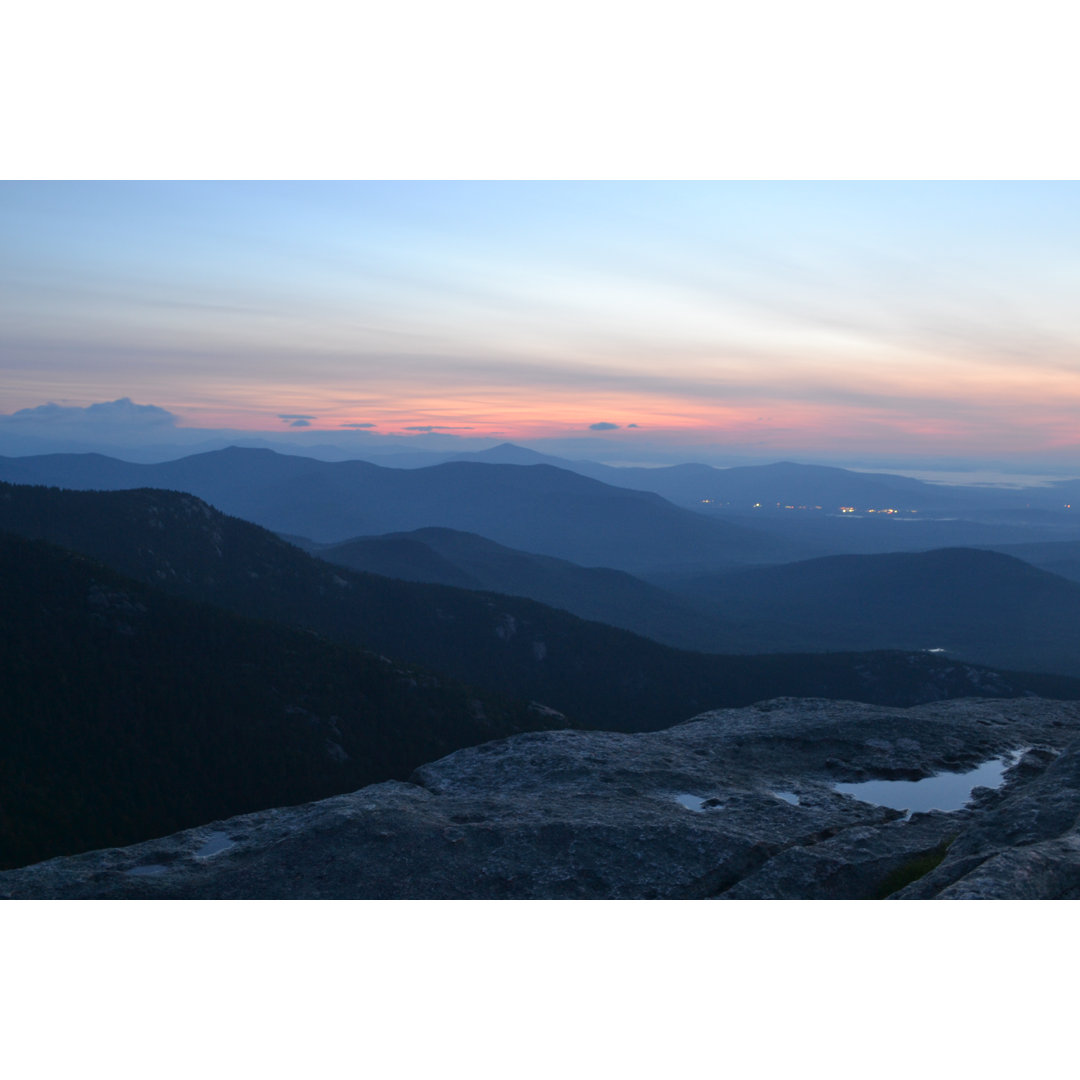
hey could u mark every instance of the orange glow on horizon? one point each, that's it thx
(781, 427)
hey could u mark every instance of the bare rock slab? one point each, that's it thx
(734, 804)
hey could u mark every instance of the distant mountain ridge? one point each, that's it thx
(696, 485)
(467, 561)
(982, 605)
(539, 509)
(1060, 557)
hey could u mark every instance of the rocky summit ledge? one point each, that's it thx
(734, 804)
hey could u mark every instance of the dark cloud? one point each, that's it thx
(358, 425)
(435, 427)
(603, 426)
(633, 425)
(299, 423)
(295, 417)
(122, 413)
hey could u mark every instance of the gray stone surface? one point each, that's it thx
(735, 804)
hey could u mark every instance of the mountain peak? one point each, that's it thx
(508, 453)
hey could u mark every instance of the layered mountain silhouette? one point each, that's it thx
(599, 676)
(539, 509)
(741, 486)
(779, 484)
(980, 605)
(1060, 557)
(973, 604)
(468, 561)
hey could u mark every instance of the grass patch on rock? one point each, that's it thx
(912, 870)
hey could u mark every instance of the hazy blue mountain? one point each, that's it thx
(510, 454)
(980, 605)
(775, 486)
(464, 560)
(539, 508)
(736, 490)
(503, 454)
(1061, 557)
(742, 486)
(78, 471)
(970, 603)
(788, 483)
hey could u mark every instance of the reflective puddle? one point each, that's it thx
(698, 804)
(946, 791)
(787, 796)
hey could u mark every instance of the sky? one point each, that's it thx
(862, 323)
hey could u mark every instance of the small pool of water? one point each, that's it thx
(698, 804)
(149, 868)
(215, 842)
(946, 791)
(787, 796)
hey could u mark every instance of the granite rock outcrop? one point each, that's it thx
(734, 804)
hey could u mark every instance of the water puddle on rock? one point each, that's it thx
(946, 791)
(787, 796)
(698, 804)
(215, 842)
(148, 869)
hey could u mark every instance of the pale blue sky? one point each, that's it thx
(813, 317)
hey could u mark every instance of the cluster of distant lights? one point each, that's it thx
(842, 509)
(876, 510)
